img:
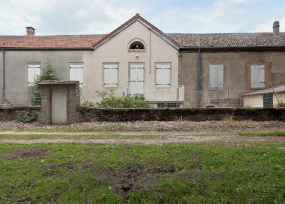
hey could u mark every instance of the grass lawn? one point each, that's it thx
(190, 173)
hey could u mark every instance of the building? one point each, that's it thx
(170, 69)
(266, 98)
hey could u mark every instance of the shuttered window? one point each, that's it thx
(257, 76)
(216, 76)
(33, 72)
(163, 75)
(110, 75)
(76, 73)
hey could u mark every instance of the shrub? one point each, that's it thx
(46, 74)
(88, 104)
(109, 100)
(27, 117)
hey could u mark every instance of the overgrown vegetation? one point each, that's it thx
(88, 104)
(109, 100)
(188, 173)
(46, 74)
(27, 117)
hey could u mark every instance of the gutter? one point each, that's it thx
(273, 48)
(199, 79)
(43, 48)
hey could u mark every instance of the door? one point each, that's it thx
(267, 100)
(136, 79)
(58, 106)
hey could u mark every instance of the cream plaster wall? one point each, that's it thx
(116, 50)
(256, 101)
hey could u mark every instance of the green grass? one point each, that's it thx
(276, 133)
(203, 173)
(76, 136)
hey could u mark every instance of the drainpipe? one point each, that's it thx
(199, 80)
(150, 51)
(3, 75)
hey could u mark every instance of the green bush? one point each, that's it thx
(109, 100)
(27, 117)
(88, 104)
(46, 74)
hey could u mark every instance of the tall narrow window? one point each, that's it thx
(216, 76)
(76, 73)
(33, 72)
(110, 75)
(163, 75)
(257, 76)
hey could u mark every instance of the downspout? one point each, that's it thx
(199, 80)
(3, 80)
(150, 50)
(3, 76)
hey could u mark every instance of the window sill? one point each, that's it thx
(137, 50)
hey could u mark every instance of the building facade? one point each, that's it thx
(170, 70)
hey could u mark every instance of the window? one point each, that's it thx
(137, 46)
(33, 72)
(257, 76)
(163, 75)
(110, 75)
(76, 73)
(216, 76)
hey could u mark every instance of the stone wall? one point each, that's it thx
(9, 113)
(191, 114)
(112, 115)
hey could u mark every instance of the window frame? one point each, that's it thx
(30, 66)
(163, 86)
(266, 67)
(76, 66)
(103, 74)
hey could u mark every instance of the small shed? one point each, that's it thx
(266, 98)
(59, 100)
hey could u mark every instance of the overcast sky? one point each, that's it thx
(61, 17)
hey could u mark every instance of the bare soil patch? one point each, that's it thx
(26, 153)
(131, 177)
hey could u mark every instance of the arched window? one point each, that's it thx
(137, 46)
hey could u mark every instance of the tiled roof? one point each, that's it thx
(275, 89)
(53, 41)
(228, 39)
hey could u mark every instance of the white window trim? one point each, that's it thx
(164, 66)
(31, 80)
(111, 66)
(76, 67)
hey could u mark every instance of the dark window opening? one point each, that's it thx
(168, 105)
(137, 46)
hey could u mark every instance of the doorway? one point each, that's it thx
(58, 106)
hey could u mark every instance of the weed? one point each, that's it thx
(27, 117)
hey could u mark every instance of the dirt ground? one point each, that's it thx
(169, 132)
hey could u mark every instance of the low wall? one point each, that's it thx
(9, 113)
(262, 114)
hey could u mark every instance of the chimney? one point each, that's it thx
(30, 31)
(276, 26)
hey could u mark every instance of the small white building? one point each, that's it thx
(266, 98)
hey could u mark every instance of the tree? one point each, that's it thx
(46, 74)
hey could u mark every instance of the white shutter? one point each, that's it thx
(216, 76)
(79, 74)
(261, 76)
(110, 75)
(254, 76)
(73, 74)
(163, 75)
(31, 75)
(213, 76)
(220, 76)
